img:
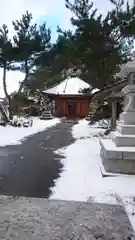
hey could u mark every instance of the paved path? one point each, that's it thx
(39, 219)
(30, 168)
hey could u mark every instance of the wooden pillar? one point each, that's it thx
(113, 117)
(78, 109)
(65, 112)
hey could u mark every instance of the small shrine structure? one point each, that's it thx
(68, 98)
(118, 153)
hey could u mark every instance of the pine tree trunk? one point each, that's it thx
(23, 82)
(6, 93)
(25, 79)
(10, 108)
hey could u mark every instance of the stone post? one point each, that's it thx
(125, 135)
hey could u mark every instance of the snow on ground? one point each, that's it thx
(13, 135)
(81, 177)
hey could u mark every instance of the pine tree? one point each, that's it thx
(6, 60)
(98, 49)
(30, 40)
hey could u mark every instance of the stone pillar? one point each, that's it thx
(129, 90)
(126, 125)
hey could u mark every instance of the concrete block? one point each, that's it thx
(117, 159)
(125, 129)
(123, 140)
(127, 118)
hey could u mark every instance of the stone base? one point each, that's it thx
(125, 129)
(106, 174)
(127, 118)
(123, 140)
(117, 159)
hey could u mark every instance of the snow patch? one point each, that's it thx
(13, 135)
(81, 178)
(95, 90)
(84, 130)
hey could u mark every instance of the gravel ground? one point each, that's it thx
(39, 219)
(29, 169)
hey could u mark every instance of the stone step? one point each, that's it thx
(127, 118)
(46, 118)
(123, 140)
(117, 159)
(57, 219)
(114, 152)
(46, 114)
(125, 129)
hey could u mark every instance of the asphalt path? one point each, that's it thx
(29, 169)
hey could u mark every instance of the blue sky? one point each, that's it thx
(56, 18)
(62, 17)
(63, 20)
(52, 22)
(51, 11)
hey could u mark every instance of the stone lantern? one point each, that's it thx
(118, 153)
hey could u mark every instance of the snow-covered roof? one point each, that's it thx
(70, 86)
